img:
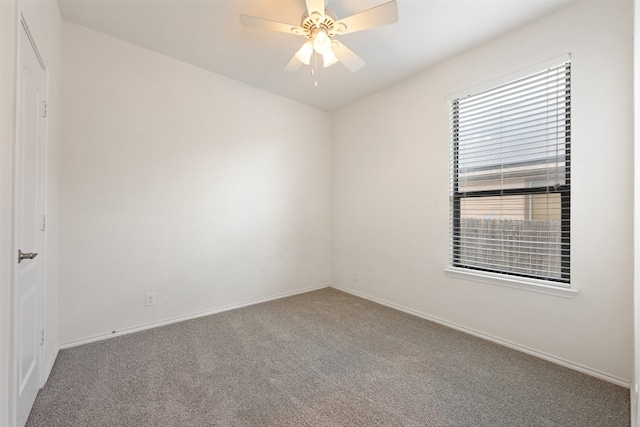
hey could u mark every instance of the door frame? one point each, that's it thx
(23, 25)
(635, 384)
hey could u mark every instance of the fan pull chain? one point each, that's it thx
(313, 69)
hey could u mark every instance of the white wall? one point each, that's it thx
(390, 194)
(178, 181)
(44, 22)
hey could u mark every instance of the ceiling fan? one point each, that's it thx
(320, 25)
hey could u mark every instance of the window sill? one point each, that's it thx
(531, 285)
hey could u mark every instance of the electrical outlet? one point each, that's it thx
(150, 299)
(356, 276)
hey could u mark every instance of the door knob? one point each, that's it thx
(29, 255)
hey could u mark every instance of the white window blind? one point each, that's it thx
(510, 177)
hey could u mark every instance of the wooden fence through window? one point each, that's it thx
(530, 247)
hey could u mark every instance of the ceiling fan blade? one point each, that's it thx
(315, 6)
(386, 13)
(293, 65)
(266, 24)
(350, 60)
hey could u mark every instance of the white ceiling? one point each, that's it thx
(208, 34)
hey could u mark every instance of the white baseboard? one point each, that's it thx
(183, 318)
(542, 355)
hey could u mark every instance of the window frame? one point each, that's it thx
(563, 190)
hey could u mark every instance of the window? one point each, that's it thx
(511, 178)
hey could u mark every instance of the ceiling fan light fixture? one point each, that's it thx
(304, 53)
(321, 41)
(329, 58)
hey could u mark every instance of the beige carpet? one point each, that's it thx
(324, 358)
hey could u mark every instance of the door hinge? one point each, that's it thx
(44, 223)
(44, 113)
(42, 337)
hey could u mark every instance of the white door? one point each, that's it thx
(28, 224)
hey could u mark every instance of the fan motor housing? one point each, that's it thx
(314, 22)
